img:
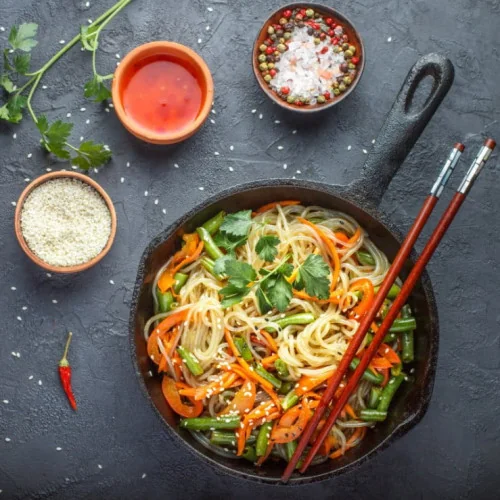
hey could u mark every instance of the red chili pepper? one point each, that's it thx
(287, 13)
(65, 374)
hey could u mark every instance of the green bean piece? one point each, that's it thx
(388, 392)
(211, 248)
(212, 225)
(369, 338)
(390, 338)
(249, 454)
(180, 281)
(243, 348)
(281, 368)
(365, 258)
(286, 387)
(408, 349)
(291, 399)
(209, 264)
(165, 301)
(294, 319)
(290, 449)
(260, 370)
(374, 397)
(263, 438)
(190, 360)
(224, 438)
(373, 415)
(393, 292)
(403, 325)
(369, 375)
(406, 311)
(396, 369)
(208, 423)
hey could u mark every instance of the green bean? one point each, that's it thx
(374, 397)
(209, 264)
(373, 415)
(210, 247)
(165, 301)
(369, 338)
(393, 292)
(213, 224)
(180, 281)
(294, 319)
(390, 338)
(365, 258)
(208, 423)
(281, 368)
(243, 348)
(408, 350)
(403, 325)
(388, 392)
(223, 438)
(260, 370)
(290, 448)
(263, 438)
(249, 454)
(291, 399)
(286, 387)
(190, 360)
(370, 376)
(396, 369)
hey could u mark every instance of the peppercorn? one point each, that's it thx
(274, 37)
(283, 21)
(263, 48)
(288, 26)
(345, 37)
(309, 12)
(270, 30)
(287, 13)
(263, 66)
(281, 47)
(322, 36)
(345, 46)
(351, 66)
(329, 21)
(276, 52)
(299, 17)
(268, 78)
(310, 31)
(344, 67)
(285, 90)
(352, 48)
(290, 99)
(277, 58)
(321, 99)
(355, 60)
(300, 24)
(269, 50)
(336, 49)
(336, 91)
(348, 54)
(342, 87)
(317, 41)
(335, 84)
(327, 95)
(270, 58)
(262, 57)
(347, 80)
(287, 36)
(270, 65)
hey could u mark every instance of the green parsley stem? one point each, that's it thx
(30, 95)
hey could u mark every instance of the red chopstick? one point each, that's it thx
(395, 269)
(400, 300)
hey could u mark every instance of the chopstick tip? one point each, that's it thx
(490, 143)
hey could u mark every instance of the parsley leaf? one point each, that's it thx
(266, 248)
(4, 113)
(237, 224)
(88, 37)
(280, 294)
(229, 243)
(241, 276)
(23, 37)
(12, 110)
(313, 276)
(96, 89)
(90, 154)
(6, 83)
(21, 63)
(265, 304)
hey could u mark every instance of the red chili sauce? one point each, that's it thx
(162, 94)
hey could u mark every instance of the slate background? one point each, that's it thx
(453, 453)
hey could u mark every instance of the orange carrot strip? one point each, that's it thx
(287, 433)
(333, 299)
(355, 237)
(366, 286)
(389, 354)
(306, 384)
(350, 411)
(272, 343)
(359, 433)
(274, 204)
(269, 361)
(173, 397)
(243, 400)
(341, 236)
(170, 321)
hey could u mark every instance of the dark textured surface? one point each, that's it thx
(453, 453)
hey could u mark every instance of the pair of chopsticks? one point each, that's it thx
(327, 399)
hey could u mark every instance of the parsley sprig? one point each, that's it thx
(234, 230)
(16, 66)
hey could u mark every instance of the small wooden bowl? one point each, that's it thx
(20, 237)
(354, 39)
(202, 74)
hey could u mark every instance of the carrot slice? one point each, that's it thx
(274, 204)
(269, 361)
(341, 236)
(306, 384)
(297, 422)
(170, 321)
(173, 398)
(333, 299)
(358, 434)
(350, 411)
(366, 286)
(154, 352)
(355, 237)
(389, 353)
(380, 363)
(272, 343)
(243, 400)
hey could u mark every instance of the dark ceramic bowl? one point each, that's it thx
(354, 39)
(402, 128)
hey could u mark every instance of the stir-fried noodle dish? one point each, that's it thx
(253, 315)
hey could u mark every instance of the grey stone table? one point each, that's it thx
(114, 447)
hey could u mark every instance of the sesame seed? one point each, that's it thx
(156, 201)
(83, 109)
(49, 275)
(201, 188)
(58, 448)
(81, 138)
(117, 56)
(231, 169)
(3, 29)
(199, 40)
(208, 28)
(62, 42)
(210, 9)
(87, 121)
(254, 111)
(216, 153)
(14, 136)
(164, 210)
(122, 179)
(24, 308)
(280, 148)
(231, 148)
(143, 476)
(389, 39)
(145, 193)
(118, 63)
(6, 401)
(277, 122)
(68, 115)
(27, 179)
(40, 382)
(30, 377)
(7, 440)
(87, 4)
(100, 466)
(176, 165)
(365, 151)
(294, 132)
(349, 147)
(261, 116)
(111, 282)
(13, 203)
(285, 166)
(19, 318)
(13, 288)
(29, 155)
(299, 172)
(128, 164)
(373, 141)
(54, 301)
(212, 121)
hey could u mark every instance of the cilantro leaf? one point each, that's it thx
(54, 136)
(263, 300)
(237, 224)
(280, 294)
(220, 264)
(313, 276)
(58, 132)
(4, 113)
(42, 124)
(232, 295)
(90, 154)
(23, 37)
(241, 276)
(12, 110)
(266, 248)
(229, 243)
(96, 89)
(21, 63)
(6, 83)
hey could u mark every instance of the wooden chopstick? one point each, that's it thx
(398, 303)
(395, 269)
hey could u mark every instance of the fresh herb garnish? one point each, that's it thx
(313, 276)
(234, 230)
(266, 248)
(16, 64)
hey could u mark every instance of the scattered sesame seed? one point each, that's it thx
(58, 448)
(216, 153)
(68, 115)
(212, 121)
(87, 4)
(208, 28)
(299, 172)
(156, 201)
(117, 56)
(27, 179)
(261, 116)
(349, 147)
(24, 308)
(40, 382)
(19, 318)
(365, 151)
(7, 440)
(285, 166)
(254, 111)
(54, 301)
(106, 109)
(81, 138)
(13, 203)
(176, 165)
(89, 21)
(118, 63)
(210, 9)
(128, 164)
(294, 132)
(280, 148)
(30, 377)
(29, 155)
(143, 476)
(5, 401)
(62, 42)
(145, 193)
(389, 39)
(48, 170)
(373, 141)
(201, 188)
(277, 122)
(231, 148)
(49, 275)
(87, 121)
(3, 29)
(164, 210)
(44, 87)
(111, 105)
(122, 179)
(111, 282)
(199, 40)
(99, 466)
(13, 288)
(14, 136)
(83, 109)
(231, 169)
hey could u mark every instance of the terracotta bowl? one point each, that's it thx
(17, 221)
(349, 29)
(180, 52)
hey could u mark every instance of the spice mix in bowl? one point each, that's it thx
(65, 222)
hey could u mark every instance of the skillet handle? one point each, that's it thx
(403, 126)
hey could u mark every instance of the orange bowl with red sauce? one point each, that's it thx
(162, 92)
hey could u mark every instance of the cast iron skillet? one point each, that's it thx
(400, 131)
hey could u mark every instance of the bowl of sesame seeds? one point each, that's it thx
(308, 57)
(65, 222)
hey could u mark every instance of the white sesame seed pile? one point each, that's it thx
(65, 222)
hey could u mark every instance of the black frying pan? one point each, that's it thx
(360, 199)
